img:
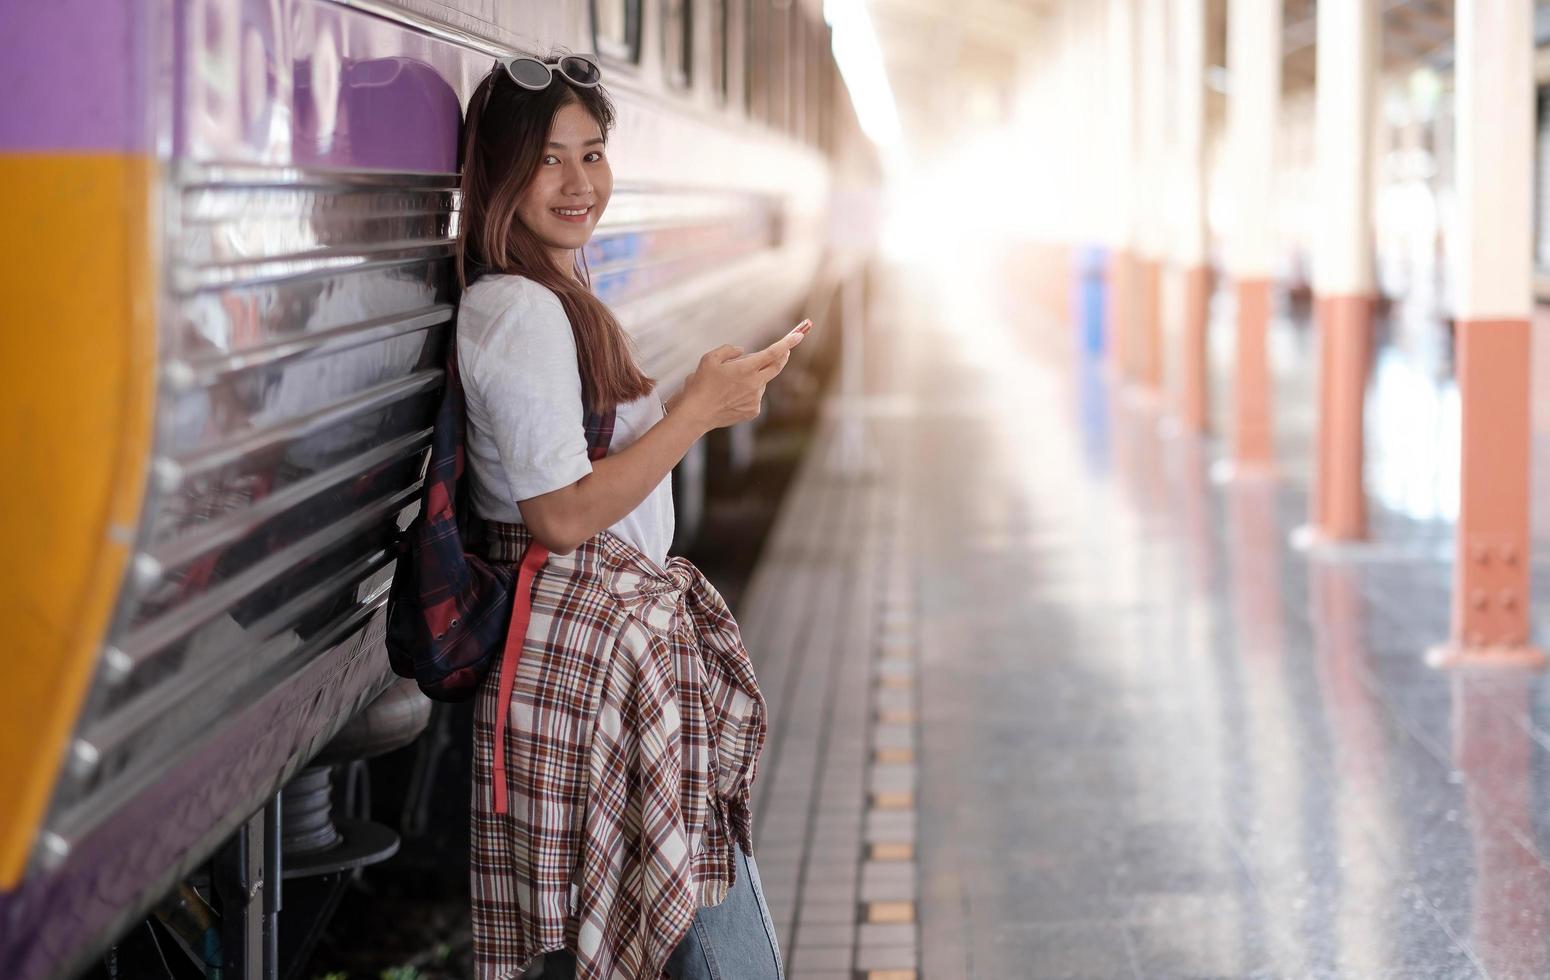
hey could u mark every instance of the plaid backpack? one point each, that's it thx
(449, 611)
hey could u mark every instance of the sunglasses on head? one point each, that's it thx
(535, 75)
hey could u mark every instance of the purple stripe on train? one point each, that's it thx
(288, 83)
(73, 77)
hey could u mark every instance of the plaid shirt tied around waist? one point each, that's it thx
(634, 731)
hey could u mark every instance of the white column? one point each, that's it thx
(1122, 124)
(1155, 192)
(1254, 96)
(1063, 58)
(1495, 93)
(1097, 126)
(1190, 240)
(1121, 188)
(1153, 94)
(1084, 102)
(1343, 123)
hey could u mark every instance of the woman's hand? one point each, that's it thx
(728, 387)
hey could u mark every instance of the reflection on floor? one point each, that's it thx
(1150, 739)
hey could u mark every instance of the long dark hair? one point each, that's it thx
(505, 130)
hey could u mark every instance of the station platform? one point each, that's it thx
(1048, 701)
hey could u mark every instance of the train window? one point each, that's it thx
(678, 41)
(616, 28)
(796, 74)
(756, 59)
(1542, 186)
(777, 63)
(817, 62)
(720, 35)
(827, 91)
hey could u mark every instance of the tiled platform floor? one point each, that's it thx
(1046, 702)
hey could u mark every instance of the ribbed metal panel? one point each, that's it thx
(305, 316)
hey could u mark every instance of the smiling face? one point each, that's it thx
(566, 197)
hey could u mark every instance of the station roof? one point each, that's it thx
(951, 58)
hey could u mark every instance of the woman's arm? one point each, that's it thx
(564, 518)
(723, 390)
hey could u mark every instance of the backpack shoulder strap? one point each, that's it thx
(600, 432)
(445, 468)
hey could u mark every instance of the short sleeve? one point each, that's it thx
(523, 371)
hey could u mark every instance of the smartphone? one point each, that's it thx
(800, 329)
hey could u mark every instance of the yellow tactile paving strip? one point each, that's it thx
(891, 852)
(884, 950)
(890, 912)
(831, 616)
(893, 801)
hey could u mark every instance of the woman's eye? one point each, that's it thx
(551, 159)
(594, 156)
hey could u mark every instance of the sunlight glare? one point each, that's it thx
(860, 60)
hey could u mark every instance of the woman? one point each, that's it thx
(611, 827)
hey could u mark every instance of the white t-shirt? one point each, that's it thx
(526, 421)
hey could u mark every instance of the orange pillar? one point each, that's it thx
(1495, 112)
(1124, 197)
(1058, 271)
(1491, 560)
(1151, 367)
(1253, 448)
(1343, 282)
(1345, 330)
(1319, 504)
(1189, 236)
(1194, 382)
(1254, 64)
(1152, 137)
(1117, 312)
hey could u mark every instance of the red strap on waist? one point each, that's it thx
(521, 614)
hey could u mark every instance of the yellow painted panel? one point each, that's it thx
(78, 351)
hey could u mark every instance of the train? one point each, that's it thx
(230, 250)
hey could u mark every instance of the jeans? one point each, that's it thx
(731, 941)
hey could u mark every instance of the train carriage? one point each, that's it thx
(230, 254)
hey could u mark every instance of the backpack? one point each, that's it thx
(449, 612)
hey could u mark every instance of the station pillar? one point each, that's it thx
(1122, 268)
(1343, 283)
(1495, 111)
(1118, 309)
(1254, 67)
(1189, 243)
(1088, 96)
(1153, 119)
